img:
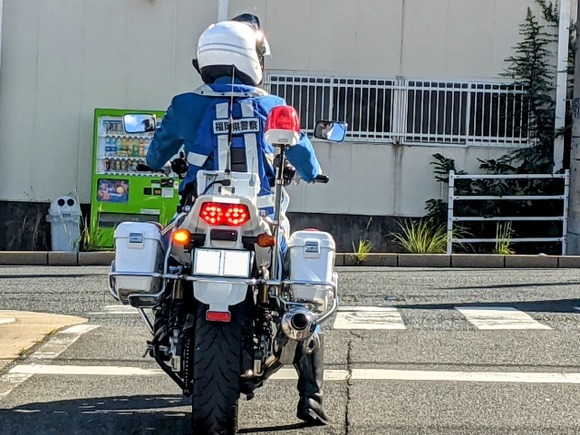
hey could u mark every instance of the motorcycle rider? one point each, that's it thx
(230, 60)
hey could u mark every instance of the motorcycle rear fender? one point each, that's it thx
(219, 296)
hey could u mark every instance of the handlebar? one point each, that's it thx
(141, 167)
(321, 178)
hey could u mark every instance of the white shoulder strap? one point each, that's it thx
(209, 92)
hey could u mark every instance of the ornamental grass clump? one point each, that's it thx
(421, 237)
(361, 251)
(503, 235)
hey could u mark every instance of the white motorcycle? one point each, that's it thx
(227, 310)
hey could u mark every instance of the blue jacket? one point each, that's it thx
(199, 121)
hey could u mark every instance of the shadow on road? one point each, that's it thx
(544, 306)
(270, 429)
(53, 276)
(513, 285)
(165, 414)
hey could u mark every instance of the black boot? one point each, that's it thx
(310, 368)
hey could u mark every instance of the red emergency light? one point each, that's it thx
(283, 126)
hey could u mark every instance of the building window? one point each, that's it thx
(409, 111)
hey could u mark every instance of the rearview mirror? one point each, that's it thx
(330, 130)
(139, 123)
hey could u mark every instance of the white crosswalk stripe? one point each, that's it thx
(116, 310)
(482, 318)
(368, 318)
(494, 318)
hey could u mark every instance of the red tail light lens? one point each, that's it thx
(218, 213)
(283, 118)
(212, 213)
(218, 316)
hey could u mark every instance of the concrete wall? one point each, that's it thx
(63, 58)
(379, 180)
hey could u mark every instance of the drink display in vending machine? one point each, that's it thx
(120, 192)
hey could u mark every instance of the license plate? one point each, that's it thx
(222, 262)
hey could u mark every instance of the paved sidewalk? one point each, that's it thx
(21, 330)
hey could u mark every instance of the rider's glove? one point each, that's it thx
(289, 172)
(179, 166)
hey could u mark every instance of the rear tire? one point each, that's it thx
(217, 357)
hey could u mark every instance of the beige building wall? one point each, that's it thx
(379, 180)
(415, 38)
(61, 59)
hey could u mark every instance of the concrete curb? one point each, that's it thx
(56, 258)
(476, 261)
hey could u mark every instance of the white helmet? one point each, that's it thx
(239, 43)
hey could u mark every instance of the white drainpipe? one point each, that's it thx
(223, 10)
(1, 16)
(561, 82)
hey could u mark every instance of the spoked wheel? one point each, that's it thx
(217, 357)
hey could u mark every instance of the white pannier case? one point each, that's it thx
(311, 254)
(138, 248)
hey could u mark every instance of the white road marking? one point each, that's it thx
(116, 310)
(48, 351)
(493, 318)
(329, 375)
(369, 318)
(24, 371)
(61, 342)
(7, 320)
(39, 369)
(355, 308)
(456, 376)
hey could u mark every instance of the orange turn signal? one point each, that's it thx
(265, 240)
(181, 237)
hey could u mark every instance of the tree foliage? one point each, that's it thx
(532, 66)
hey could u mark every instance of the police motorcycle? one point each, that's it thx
(225, 308)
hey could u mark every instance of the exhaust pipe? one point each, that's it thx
(299, 323)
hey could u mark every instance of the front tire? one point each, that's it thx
(217, 360)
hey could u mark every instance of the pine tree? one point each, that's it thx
(531, 67)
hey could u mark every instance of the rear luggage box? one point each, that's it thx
(138, 249)
(312, 254)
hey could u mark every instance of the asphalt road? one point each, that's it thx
(423, 351)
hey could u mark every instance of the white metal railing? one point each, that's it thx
(409, 111)
(452, 218)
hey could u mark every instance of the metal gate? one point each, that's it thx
(452, 217)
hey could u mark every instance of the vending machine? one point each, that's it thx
(120, 193)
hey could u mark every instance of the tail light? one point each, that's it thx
(218, 316)
(218, 213)
(283, 126)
